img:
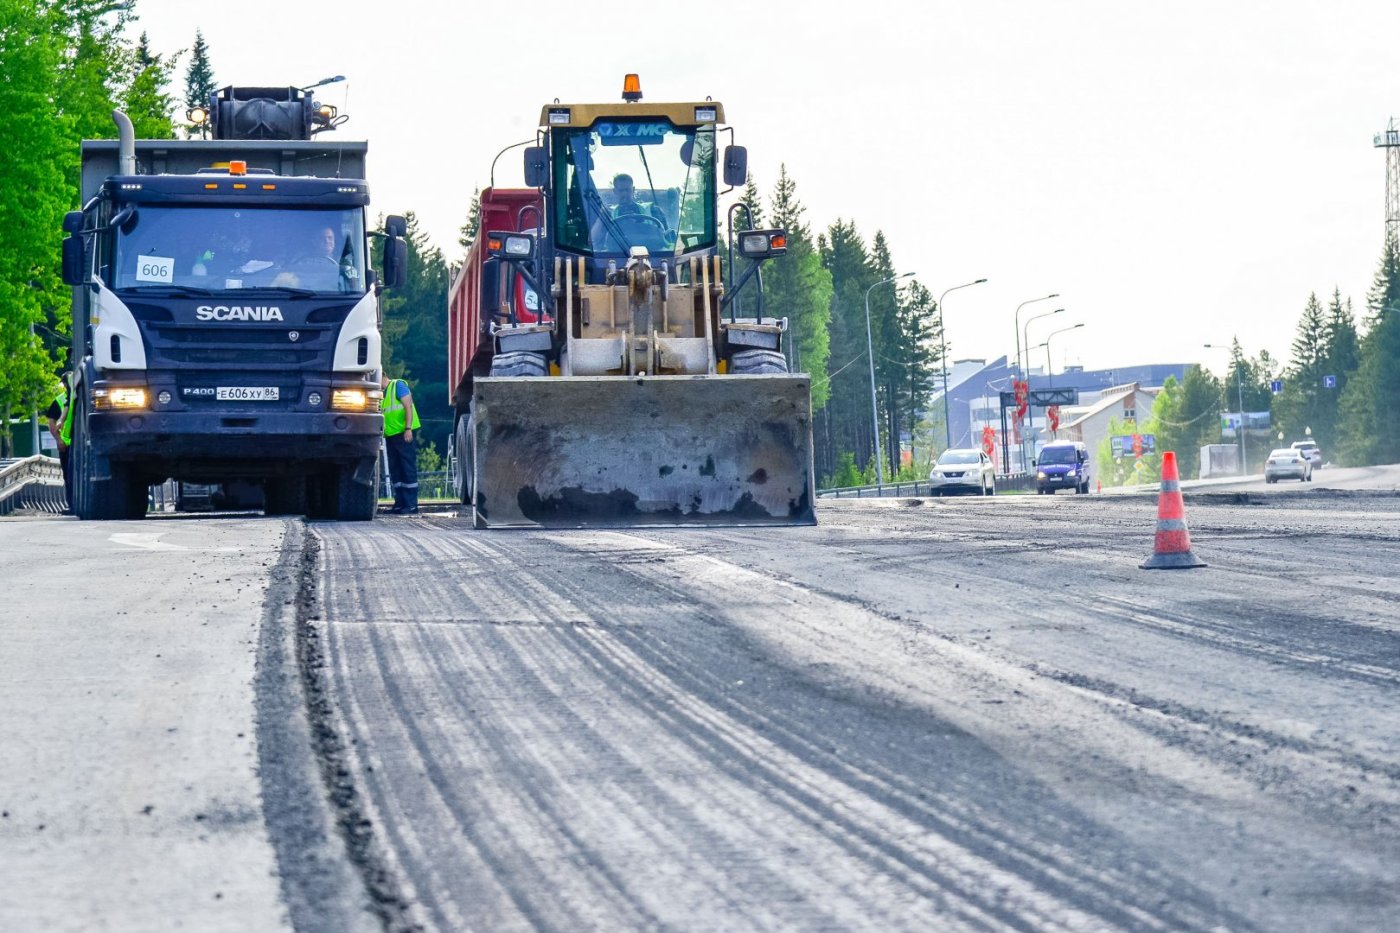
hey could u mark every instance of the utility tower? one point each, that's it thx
(1390, 142)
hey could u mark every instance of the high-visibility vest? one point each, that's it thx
(65, 405)
(392, 407)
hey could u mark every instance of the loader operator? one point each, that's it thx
(624, 191)
(400, 421)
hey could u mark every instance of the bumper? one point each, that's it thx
(964, 484)
(279, 440)
(1287, 473)
(1059, 481)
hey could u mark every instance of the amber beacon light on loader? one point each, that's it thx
(606, 367)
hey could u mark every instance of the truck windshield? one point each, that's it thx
(632, 182)
(226, 249)
(1059, 455)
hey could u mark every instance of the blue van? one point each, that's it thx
(1062, 465)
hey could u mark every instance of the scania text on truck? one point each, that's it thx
(225, 314)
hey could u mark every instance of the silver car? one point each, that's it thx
(1287, 463)
(963, 470)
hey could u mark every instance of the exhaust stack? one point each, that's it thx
(126, 144)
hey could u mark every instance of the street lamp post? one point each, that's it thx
(874, 405)
(1026, 333)
(1049, 369)
(1016, 324)
(943, 355)
(1239, 385)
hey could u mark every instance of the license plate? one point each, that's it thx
(246, 393)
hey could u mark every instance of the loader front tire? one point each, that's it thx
(519, 363)
(757, 362)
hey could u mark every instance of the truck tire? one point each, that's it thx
(520, 363)
(120, 497)
(757, 362)
(466, 461)
(285, 495)
(335, 496)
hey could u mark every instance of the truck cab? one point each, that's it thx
(226, 319)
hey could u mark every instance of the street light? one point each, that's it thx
(1026, 332)
(1016, 325)
(1239, 384)
(1025, 374)
(943, 354)
(1049, 370)
(874, 406)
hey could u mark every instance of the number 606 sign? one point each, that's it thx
(155, 269)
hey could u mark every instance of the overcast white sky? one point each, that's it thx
(1180, 173)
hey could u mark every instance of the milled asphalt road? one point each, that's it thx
(147, 684)
(919, 714)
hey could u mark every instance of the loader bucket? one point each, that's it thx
(618, 451)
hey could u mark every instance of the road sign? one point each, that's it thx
(1276, 386)
(1044, 398)
(1329, 382)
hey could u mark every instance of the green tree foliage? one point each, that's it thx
(1370, 403)
(467, 235)
(797, 286)
(415, 334)
(199, 81)
(754, 202)
(1185, 418)
(146, 100)
(33, 198)
(845, 424)
(914, 358)
(1304, 403)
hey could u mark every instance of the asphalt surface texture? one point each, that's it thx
(918, 714)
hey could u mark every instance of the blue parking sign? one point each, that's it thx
(1329, 382)
(1276, 386)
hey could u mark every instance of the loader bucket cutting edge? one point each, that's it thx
(613, 451)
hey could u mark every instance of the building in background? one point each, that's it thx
(974, 403)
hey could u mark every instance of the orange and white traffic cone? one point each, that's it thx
(1172, 548)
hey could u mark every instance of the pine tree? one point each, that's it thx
(754, 202)
(846, 425)
(798, 287)
(1370, 404)
(1302, 404)
(919, 351)
(146, 100)
(467, 235)
(415, 331)
(199, 81)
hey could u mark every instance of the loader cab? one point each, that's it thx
(619, 177)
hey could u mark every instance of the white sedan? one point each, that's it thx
(1287, 463)
(963, 470)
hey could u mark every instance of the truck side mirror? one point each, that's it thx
(395, 226)
(395, 262)
(74, 255)
(736, 166)
(536, 167)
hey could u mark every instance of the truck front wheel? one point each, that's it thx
(121, 496)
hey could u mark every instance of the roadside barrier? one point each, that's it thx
(1172, 548)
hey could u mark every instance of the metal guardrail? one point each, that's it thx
(1015, 482)
(32, 483)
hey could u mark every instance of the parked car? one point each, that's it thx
(1062, 465)
(963, 470)
(1287, 463)
(1311, 451)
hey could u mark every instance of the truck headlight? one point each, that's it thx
(118, 398)
(355, 399)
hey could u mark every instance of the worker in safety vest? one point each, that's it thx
(400, 421)
(60, 418)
